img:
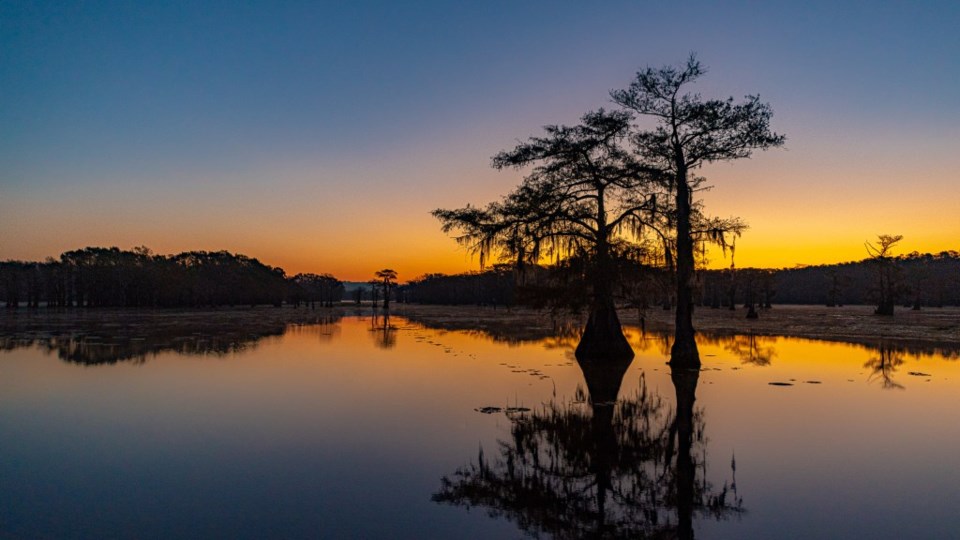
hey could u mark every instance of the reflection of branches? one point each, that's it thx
(612, 469)
(884, 366)
(752, 349)
(384, 334)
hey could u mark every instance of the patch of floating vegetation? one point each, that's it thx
(778, 383)
(507, 410)
(919, 374)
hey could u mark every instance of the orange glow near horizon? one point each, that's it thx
(798, 215)
(421, 248)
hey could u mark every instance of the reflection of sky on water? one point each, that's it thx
(322, 430)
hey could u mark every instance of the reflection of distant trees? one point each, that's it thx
(515, 326)
(384, 334)
(752, 349)
(527, 326)
(110, 277)
(628, 468)
(108, 338)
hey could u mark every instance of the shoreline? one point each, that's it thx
(931, 326)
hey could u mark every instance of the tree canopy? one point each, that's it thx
(586, 196)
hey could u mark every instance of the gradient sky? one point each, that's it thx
(317, 136)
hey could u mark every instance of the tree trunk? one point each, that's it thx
(684, 353)
(603, 336)
(885, 307)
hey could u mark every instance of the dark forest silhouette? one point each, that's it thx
(115, 278)
(111, 277)
(918, 280)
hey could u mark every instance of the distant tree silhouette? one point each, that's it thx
(882, 255)
(358, 295)
(387, 277)
(689, 132)
(586, 197)
(374, 294)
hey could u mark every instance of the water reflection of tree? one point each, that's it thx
(135, 337)
(325, 327)
(883, 367)
(610, 469)
(752, 349)
(384, 334)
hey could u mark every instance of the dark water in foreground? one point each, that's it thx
(357, 427)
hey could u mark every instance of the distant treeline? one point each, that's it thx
(496, 286)
(921, 280)
(111, 277)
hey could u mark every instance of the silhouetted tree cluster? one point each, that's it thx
(493, 287)
(311, 289)
(615, 184)
(111, 277)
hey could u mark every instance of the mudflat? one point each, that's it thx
(847, 323)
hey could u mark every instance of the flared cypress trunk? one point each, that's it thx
(603, 336)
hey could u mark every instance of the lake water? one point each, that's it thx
(362, 427)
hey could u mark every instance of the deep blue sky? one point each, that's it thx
(269, 127)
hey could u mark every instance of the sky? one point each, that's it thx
(318, 136)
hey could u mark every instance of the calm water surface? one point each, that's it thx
(361, 427)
